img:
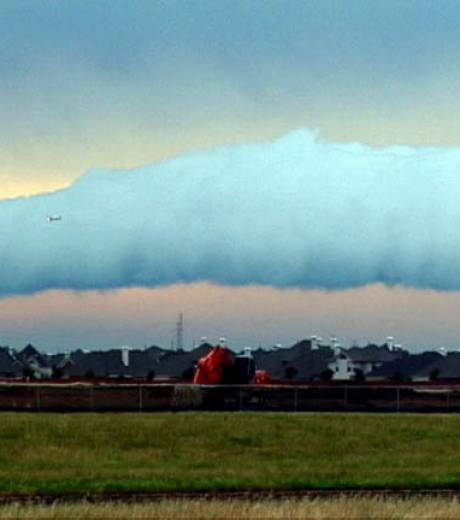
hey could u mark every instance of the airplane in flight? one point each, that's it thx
(53, 218)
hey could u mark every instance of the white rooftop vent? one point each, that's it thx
(125, 355)
(247, 352)
(314, 342)
(337, 348)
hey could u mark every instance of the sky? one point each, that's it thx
(115, 85)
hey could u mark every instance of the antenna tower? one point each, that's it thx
(180, 332)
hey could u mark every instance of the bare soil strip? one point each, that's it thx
(339, 508)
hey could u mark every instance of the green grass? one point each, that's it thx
(91, 453)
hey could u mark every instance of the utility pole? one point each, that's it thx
(180, 332)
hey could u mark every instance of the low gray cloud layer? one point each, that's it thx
(297, 212)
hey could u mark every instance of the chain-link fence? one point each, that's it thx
(157, 397)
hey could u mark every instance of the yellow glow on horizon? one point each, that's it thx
(26, 189)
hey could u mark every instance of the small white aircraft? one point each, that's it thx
(53, 218)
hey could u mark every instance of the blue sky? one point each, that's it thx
(117, 84)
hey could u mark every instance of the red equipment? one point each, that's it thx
(261, 377)
(211, 368)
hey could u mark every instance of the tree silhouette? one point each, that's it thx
(290, 372)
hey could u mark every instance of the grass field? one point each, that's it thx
(343, 508)
(91, 453)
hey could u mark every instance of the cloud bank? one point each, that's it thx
(296, 212)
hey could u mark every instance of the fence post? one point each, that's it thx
(241, 398)
(345, 396)
(398, 403)
(91, 397)
(140, 398)
(38, 398)
(295, 399)
(448, 399)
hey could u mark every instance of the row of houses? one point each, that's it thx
(149, 363)
(306, 360)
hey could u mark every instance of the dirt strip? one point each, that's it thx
(228, 495)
